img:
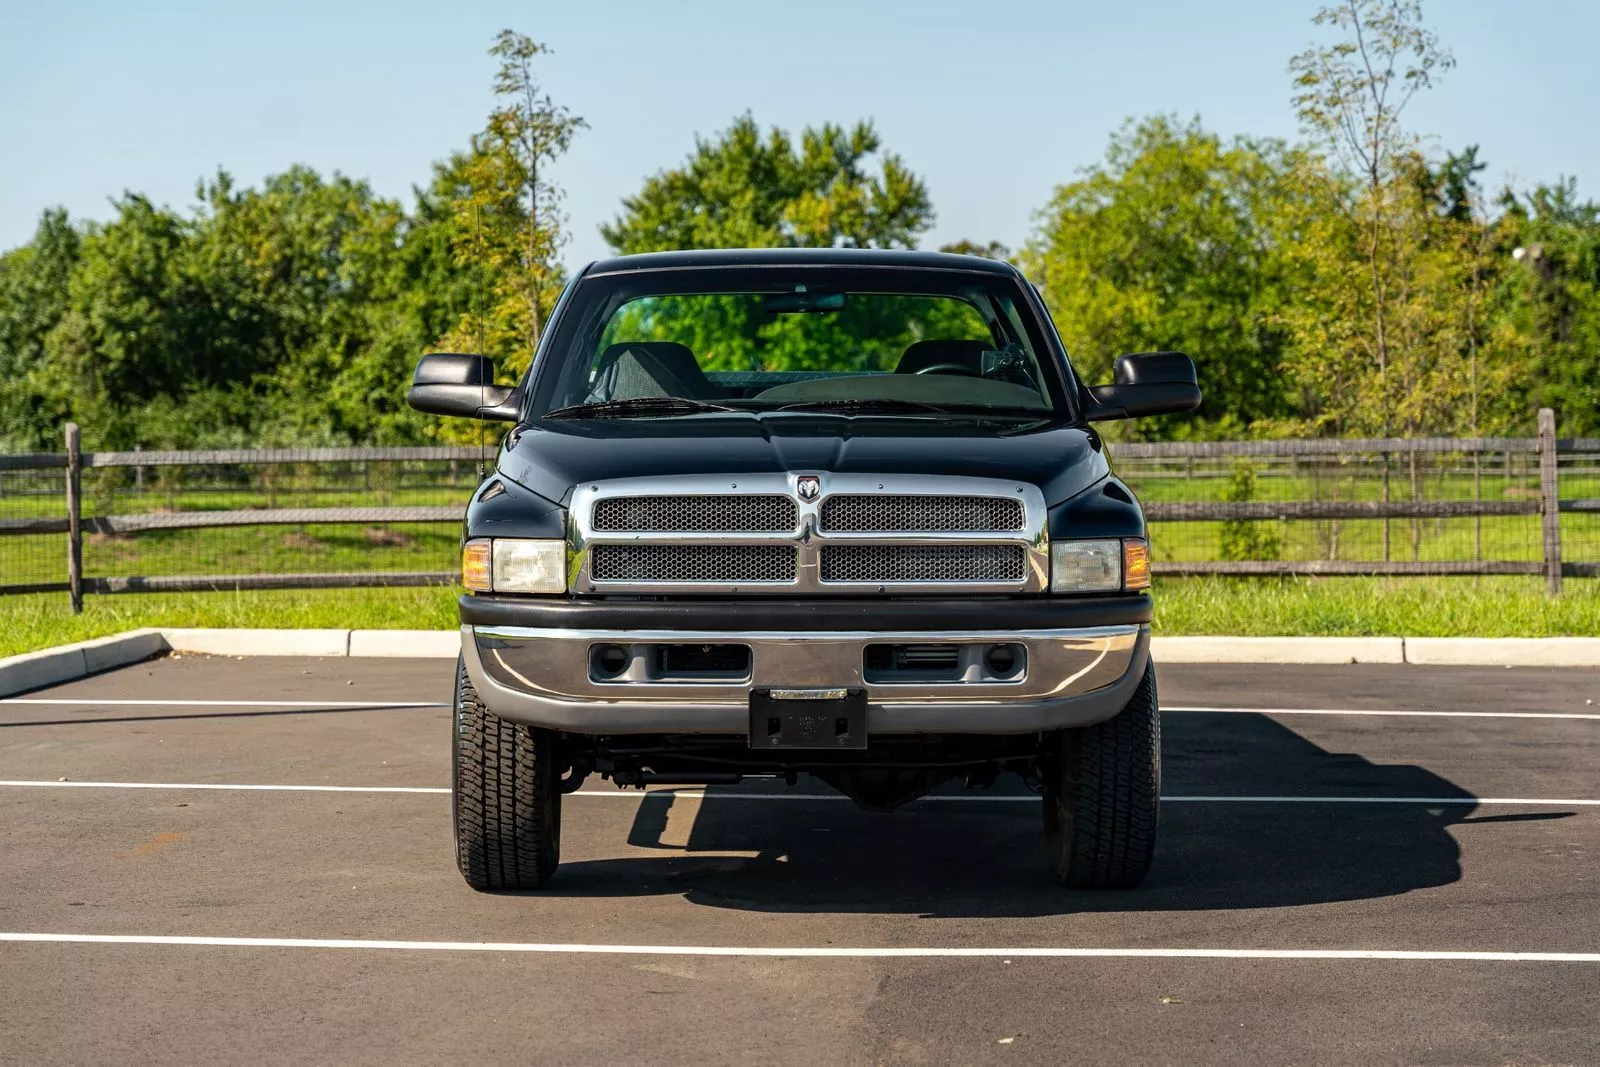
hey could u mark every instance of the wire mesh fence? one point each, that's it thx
(235, 519)
(208, 519)
(1500, 490)
(391, 516)
(33, 561)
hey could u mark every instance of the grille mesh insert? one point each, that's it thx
(885, 513)
(722, 564)
(766, 513)
(923, 563)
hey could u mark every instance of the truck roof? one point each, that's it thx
(811, 257)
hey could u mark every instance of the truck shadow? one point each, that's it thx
(984, 858)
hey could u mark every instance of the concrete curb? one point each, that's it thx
(1278, 649)
(408, 644)
(1504, 651)
(65, 663)
(259, 642)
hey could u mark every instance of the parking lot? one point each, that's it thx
(251, 859)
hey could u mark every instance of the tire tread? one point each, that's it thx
(1102, 808)
(507, 798)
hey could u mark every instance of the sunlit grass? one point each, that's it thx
(1479, 607)
(38, 621)
(1347, 606)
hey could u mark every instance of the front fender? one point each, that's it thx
(503, 508)
(1106, 509)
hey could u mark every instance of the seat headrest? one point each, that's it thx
(650, 365)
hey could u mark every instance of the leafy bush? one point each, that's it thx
(1247, 539)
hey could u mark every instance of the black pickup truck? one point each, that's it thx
(837, 512)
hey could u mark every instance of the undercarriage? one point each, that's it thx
(888, 773)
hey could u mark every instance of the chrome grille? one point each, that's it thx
(722, 564)
(866, 513)
(755, 533)
(923, 563)
(766, 513)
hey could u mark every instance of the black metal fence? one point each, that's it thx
(118, 522)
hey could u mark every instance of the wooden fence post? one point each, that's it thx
(74, 518)
(1550, 501)
(1385, 499)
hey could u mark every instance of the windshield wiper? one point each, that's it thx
(865, 407)
(637, 405)
(908, 407)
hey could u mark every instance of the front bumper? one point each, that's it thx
(542, 675)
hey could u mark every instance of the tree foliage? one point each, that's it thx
(505, 210)
(749, 190)
(292, 313)
(283, 314)
(33, 299)
(1546, 306)
(1176, 242)
(1352, 95)
(1352, 284)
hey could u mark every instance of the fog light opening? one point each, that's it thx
(611, 660)
(1003, 661)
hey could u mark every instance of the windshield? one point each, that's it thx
(667, 344)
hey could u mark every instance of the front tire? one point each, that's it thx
(506, 797)
(1103, 795)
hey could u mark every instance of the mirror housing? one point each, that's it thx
(1146, 383)
(457, 383)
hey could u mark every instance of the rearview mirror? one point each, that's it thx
(802, 301)
(1146, 383)
(453, 383)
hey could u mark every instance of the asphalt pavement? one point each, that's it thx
(269, 838)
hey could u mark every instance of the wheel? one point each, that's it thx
(1103, 794)
(505, 797)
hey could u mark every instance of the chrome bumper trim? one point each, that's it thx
(542, 677)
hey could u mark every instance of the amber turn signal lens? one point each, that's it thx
(1135, 565)
(476, 566)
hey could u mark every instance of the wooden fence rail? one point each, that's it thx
(1547, 447)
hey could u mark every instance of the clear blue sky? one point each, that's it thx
(993, 103)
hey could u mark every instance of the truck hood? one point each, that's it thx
(550, 458)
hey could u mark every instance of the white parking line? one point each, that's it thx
(1397, 712)
(119, 703)
(837, 951)
(110, 702)
(231, 786)
(700, 794)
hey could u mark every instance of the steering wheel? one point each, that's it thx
(950, 368)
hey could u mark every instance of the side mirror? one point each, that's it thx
(1148, 383)
(450, 383)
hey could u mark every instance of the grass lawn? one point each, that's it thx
(38, 621)
(1417, 607)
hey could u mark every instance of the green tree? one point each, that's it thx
(506, 209)
(132, 320)
(1351, 96)
(288, 314)
(746, 190)
(991, 250)
(1246, 539)
(33, 298)
(1176, 242)
(1547, 303)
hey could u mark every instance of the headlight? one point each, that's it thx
(1086, 567)
(1099, 566)
(513, 565)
